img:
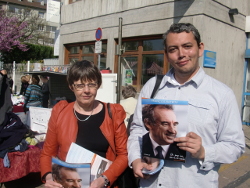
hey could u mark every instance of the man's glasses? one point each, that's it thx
(81, 86)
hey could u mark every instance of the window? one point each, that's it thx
(50, 28)
(131, 46)
(11, 8)
(41, 14)
(17, 10)
(41, 27)
(152, 45)
(74, 50)
(143, 58)
(86, 51)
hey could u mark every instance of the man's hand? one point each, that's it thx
(137, 166)
(193, 144)
(50, 183)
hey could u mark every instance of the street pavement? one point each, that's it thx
(237, 174)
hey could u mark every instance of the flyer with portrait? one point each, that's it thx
(71, 174)
(164, 120)
(78, 154)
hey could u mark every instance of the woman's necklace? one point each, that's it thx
(86, 117)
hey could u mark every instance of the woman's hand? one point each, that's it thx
(50, 183)
(98, 183)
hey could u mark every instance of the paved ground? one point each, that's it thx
(235, 175)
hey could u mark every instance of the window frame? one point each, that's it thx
(79, 55)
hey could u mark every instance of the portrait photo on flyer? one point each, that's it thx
(164, 120)
(71, 174)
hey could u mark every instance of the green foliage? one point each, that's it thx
(34, 54)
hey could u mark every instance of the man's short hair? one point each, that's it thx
(56, 171)
(182, 27)
(148, 112)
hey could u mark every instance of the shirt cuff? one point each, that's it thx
(208, 164)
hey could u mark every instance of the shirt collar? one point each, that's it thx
(155, 144)
(197, 78)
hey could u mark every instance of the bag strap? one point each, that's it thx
(157, 84)
(109, 110)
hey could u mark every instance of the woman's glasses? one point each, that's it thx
(81, 86)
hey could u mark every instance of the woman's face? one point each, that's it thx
(85, 91)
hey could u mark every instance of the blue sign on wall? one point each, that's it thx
(209, 59)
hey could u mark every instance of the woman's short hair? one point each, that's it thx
(128, 91)
(84, 71)
(35, 79)
(23, 79)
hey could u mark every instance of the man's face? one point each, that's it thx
(165, 128)
(183, 54)
(70, 179)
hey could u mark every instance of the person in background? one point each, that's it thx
(129, 101)
(45, 91)
(5, 96)
(11, 82)
(25, 83)
(214, 128)
(82, 122)
(33, 95)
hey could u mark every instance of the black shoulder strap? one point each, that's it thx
(109, 110)
(157, 84)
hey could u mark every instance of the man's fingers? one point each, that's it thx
(192, 135)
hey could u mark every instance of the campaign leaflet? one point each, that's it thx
(164, 120)
(71, 174)
(78, 154)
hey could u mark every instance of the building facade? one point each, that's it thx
(221, 24)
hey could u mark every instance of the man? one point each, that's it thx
(67, 177)
(161, 122)
(214, 126)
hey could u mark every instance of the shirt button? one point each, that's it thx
(203, 167)
(159, 184)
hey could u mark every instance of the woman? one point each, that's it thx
(33, 95)
(87, 123)
(25, 83)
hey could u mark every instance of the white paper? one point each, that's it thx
(39, 118)
(78, 154)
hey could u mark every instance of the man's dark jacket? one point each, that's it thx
(174, 152)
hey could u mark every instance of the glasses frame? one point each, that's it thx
(80, 87)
